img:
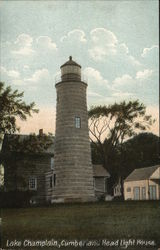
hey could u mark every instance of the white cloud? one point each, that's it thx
(123, 80)
(128, 80)
(24, 40)
(98, 86)
(146, 51)
(133, 61)
(18, 82)
(93, 94)
(101, 34)
(26, 67)
(122, 94)
(76, 34)
(38, 76)
(144, 74)
(104, 43)
(128, 84)
(23, 51)
(46, 42)
(13, 73)
(95, 75)
(24, 43)
(97, 53)
(10, 73)
(3, 70)
(123, 48)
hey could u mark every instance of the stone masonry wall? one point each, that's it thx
(74, 173)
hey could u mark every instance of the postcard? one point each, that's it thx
(79, 125)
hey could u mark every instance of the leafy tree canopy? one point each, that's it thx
(11, 107)
(138, 152)
(110, 125)
(27, 143)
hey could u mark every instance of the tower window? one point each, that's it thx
(32, 183)
(54, 180)
(52, 163)
(77, 122)
(50, 182)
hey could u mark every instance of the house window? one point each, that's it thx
(52, 162)
(128, 189)
(143, 193)
(152, 192)
(32, 183)
(54, 180)
(136, 193)
(77, 122)
(50, 181)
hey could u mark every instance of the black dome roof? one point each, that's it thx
(70, 62)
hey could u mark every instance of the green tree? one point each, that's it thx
(15, 146)
(29, 144)
(138, 152)
(11, 107)
(110, 125)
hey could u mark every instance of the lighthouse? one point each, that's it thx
(72, 153)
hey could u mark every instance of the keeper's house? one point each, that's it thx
(143, 184)
(36, 171)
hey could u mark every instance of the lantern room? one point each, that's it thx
(70, 70)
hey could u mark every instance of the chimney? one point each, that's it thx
(41, 132)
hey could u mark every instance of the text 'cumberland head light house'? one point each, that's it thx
(72, 153)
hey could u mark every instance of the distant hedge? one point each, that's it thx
(15, 199)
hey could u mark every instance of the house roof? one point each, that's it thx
(141, 173)
(100, 171)
(8, 138)
(70, 62)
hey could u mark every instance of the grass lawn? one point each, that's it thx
(104, 220)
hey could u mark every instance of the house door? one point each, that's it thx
(136, 193)
(152, 192)
(143, 193)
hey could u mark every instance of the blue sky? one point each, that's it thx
(116, 43)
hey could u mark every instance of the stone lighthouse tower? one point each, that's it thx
(74, 173)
